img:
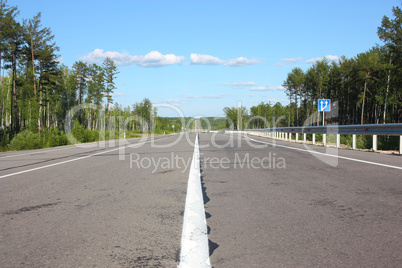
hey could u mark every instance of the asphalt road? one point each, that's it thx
(300, 211)
(93, 212)
(274, 205)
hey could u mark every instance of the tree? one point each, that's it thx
(390, 32)
(80, 70)
(294, 84)
(110, 73)
(7, 22)
(13, 33)
(144, 111)
(41, 52)
(236, 117)
(368, 63)
(95, 91)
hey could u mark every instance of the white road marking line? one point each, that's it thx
(72, 160)
(80, 145)
(55, 164)
(194, 241)
(36, 152)
(330, 155)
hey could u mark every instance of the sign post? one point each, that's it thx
(324, 105)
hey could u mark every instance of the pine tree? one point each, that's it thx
(110, 72)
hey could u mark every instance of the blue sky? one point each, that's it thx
(201, 56)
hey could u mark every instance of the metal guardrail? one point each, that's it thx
(368, 129)
(285, 133)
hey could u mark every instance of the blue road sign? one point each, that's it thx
(324, 105)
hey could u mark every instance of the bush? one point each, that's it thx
(4, 139)
(25, 140)
(388, 142)
(83, 135)
(53, 137)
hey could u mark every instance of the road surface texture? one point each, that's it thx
(307, 214)
(267, 205)
(94, 212)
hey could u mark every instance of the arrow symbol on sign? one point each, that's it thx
(322, 105)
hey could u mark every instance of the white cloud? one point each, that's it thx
(239, 85)
(328, 57)
(174, 102)
(332, 57)
(219, 96)
(211, 60)
(292, 60)
(155, 59)
(204, 59)
(241, 61)
(267, 88)
(288, 60)
(152, 59)
(313, 60)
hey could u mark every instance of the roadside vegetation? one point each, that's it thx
(38, 92)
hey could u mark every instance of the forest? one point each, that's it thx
(37, 92)
(366, 88)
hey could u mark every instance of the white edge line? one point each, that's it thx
(330, 155)
(55, 164)
(72, 160)
(71, 146)
(36, 152)
(194, 241)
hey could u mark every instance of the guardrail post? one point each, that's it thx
(286, 136)
(354, 141)
(400, 144)
(297, 137)
(338, 140)
(304, 137)
(313, 138)
(324, 139)
(290, 137)
(374, 143)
